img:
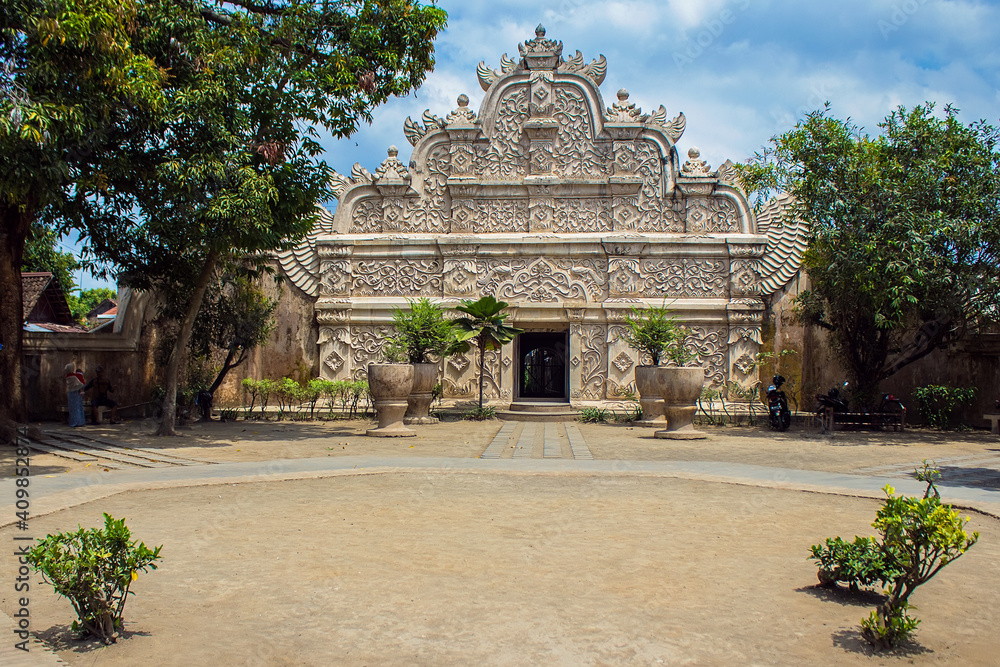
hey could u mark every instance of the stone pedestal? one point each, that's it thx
(418, 404)
(680, 388)
(390, 385)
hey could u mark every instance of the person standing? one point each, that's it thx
(74, 397)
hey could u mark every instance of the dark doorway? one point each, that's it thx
(542, 366)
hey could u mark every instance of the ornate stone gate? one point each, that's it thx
(571, 211)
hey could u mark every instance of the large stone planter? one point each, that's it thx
(680, 389)
(647, 385)
(418, 405)
(390, 384)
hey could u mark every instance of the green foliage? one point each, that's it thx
(938, 403)
(917, 538)
(483, 324)
(593, 415)
(480, 414)
(89, 299)
(858, 563)
(655, 331)
(41, 253)
(421, 331)
(905, 229)
(94, 568)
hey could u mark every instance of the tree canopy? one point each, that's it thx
(904, 247)
(223, 164)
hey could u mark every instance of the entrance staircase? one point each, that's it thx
(538, 411)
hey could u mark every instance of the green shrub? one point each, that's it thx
(917, 538)
(593, 415)
(937, 403)
(94, 569)
(480, 414)
(655, 331)
(860, 563)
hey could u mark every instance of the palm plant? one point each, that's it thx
(484, 325)
(422, 331)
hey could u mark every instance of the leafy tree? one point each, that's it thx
(904, 248)
(229, 170)
(235, 318)
(484, 325)
(68, 79)
(41, 253)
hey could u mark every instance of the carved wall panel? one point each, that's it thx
(715, 215)
(744, 276)
(335, 277)
(576, 155)
(671, 278)
(431, 213)
(367, 217)
(396, 277)
(367, 342)
(582, 215)
(744, 344)
(335, 351)
(542, 280)
(710, 345)
(505, 158)
(459, 278)
(589, 345)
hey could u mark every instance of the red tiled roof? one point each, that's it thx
(32, 286)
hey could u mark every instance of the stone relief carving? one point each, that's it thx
(396, 277)
(744, 275)
(709, 344)
(593, 360)
(673, 278)
(624, 111)
(505, 158)
(714, 215)
(574, 151)
(542, 280)
(367, 342)
(336, 277)
(463, 115)
(367, 217)
(595, 70)
(582, 215)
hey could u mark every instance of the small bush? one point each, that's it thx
(480, 414)
(917, 538)
(94, 569)
(938, 404)
(860, 563)
(592, 415)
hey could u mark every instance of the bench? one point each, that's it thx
(994, 421)
(882, 421)
(101, 410)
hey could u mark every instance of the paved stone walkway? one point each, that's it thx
(981, 471)
(105, 452)
(547, 440)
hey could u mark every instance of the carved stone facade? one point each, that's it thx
(571, 211)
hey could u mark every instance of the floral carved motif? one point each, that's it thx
(594, 365)
(712, 216)
(582, 215)
(744, 275)
(576, 154)
(684, 277)
(541, 279)
(366, 347)
(397, 277)
(710, 347)
(335, 277)
(429, 212)
(367, 217)
(505, 158)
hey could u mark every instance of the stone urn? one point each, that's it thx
(418, 405)
(680, 388)
(390, 385)
(646, 383)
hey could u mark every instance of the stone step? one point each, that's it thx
(538, 411)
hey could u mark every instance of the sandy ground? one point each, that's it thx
(505, 569)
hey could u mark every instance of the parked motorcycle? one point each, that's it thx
(777, 405)
(891, 413)
(830, 404)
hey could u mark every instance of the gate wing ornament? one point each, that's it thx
(786, 243)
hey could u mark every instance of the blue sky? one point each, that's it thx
(740, 70)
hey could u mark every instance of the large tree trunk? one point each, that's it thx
(180, 345)
(15, 225)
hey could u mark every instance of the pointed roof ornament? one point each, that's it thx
(541, 53)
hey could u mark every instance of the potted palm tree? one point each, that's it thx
(655, 332)
(423, 331)
(483, 324)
